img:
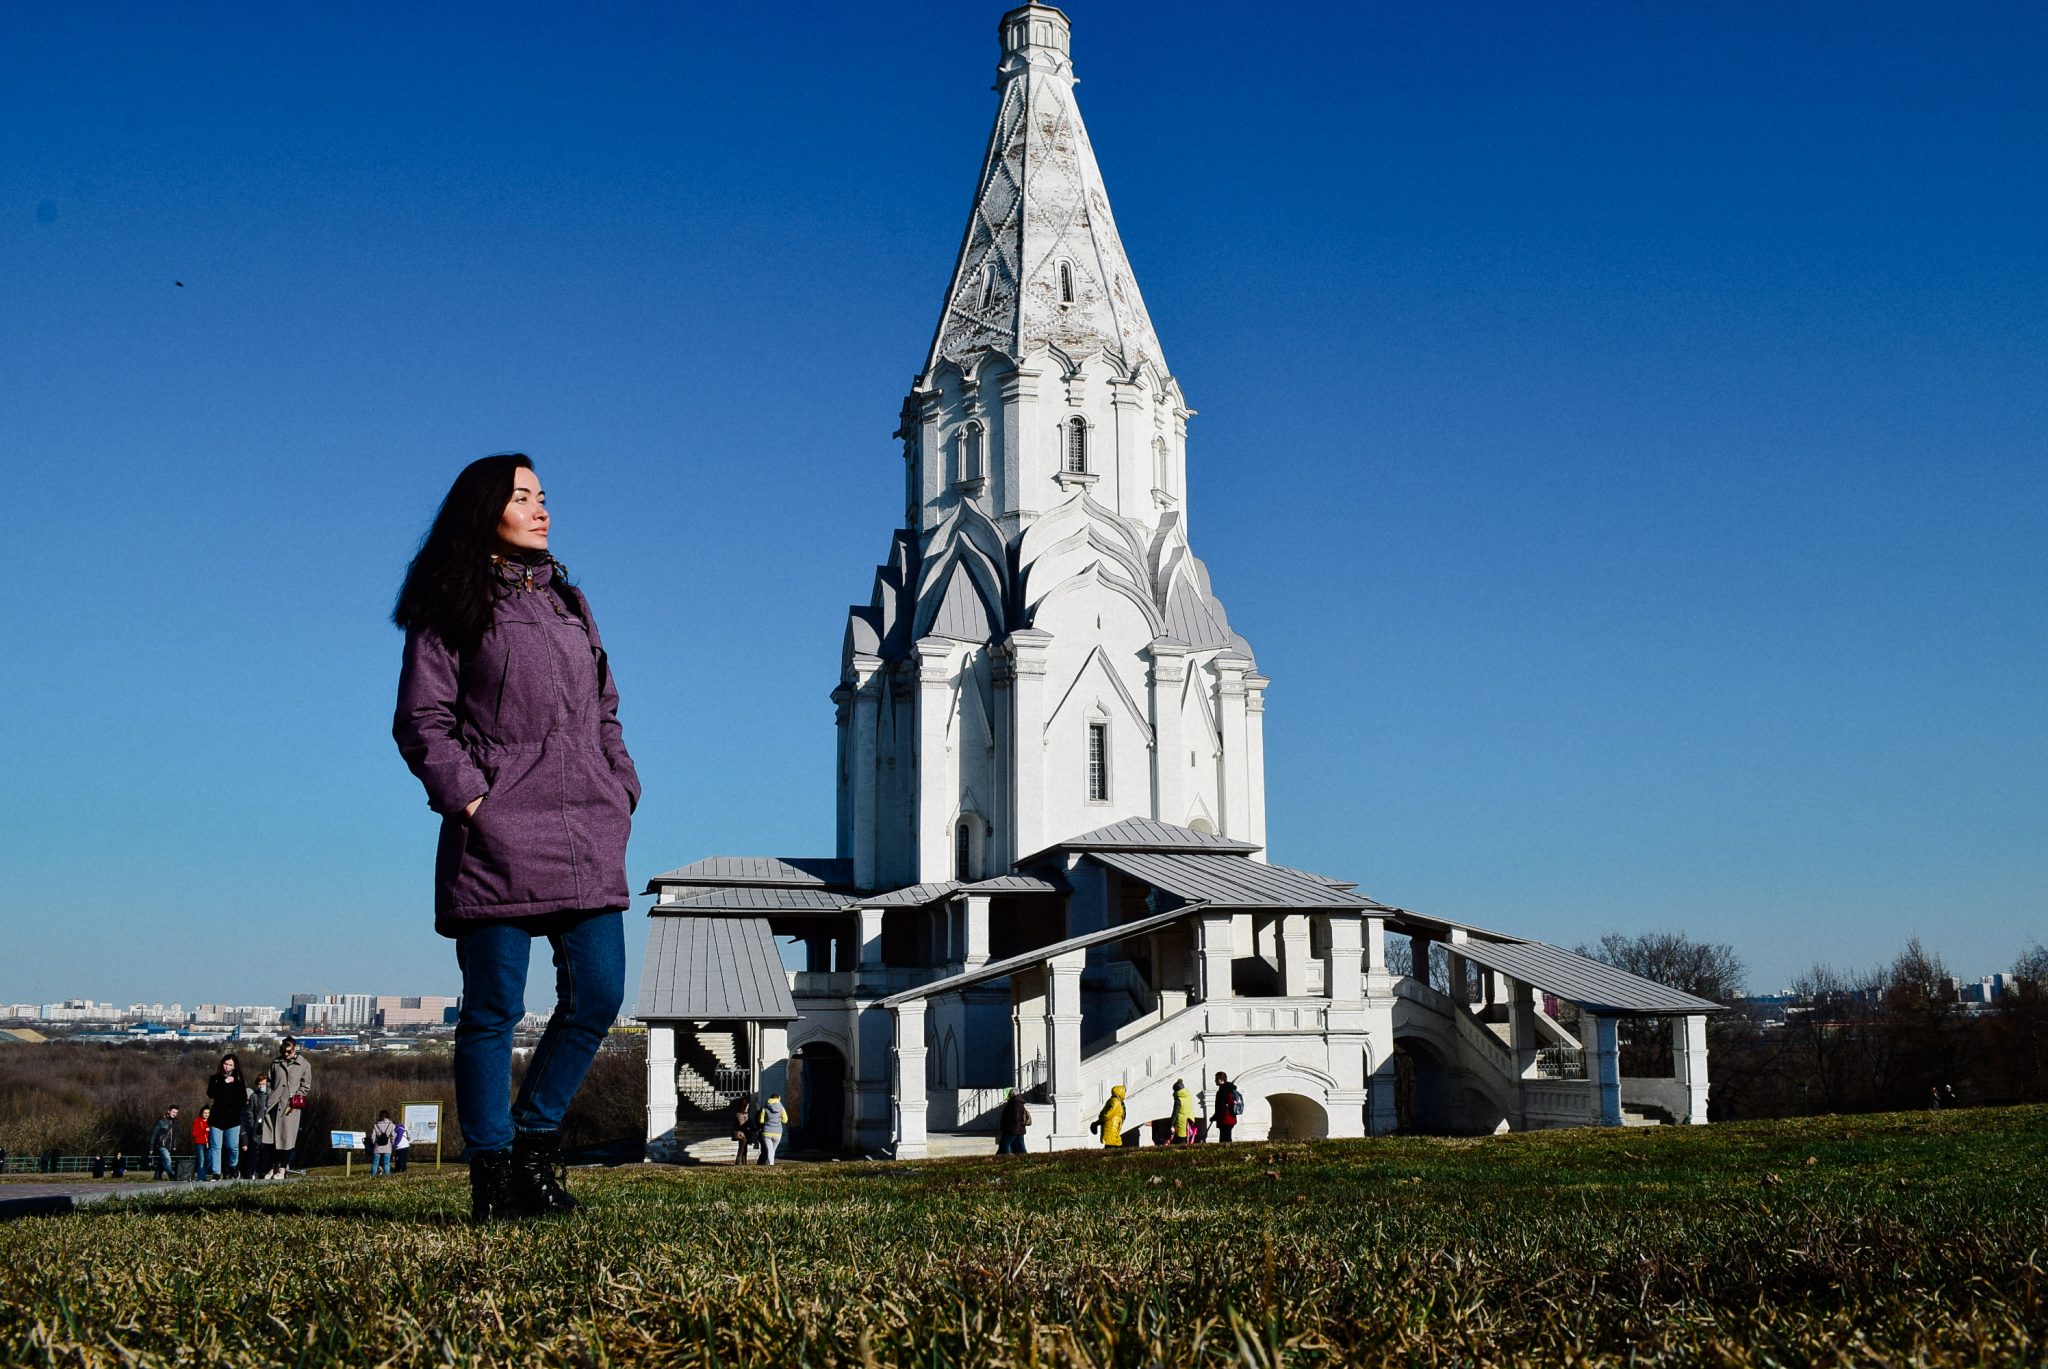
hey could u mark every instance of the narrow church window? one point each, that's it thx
(967, 463)
(1098, 762)
(988, 286)
(1077, 447)
(963, 851)
(1159, 463)
(1066, 283)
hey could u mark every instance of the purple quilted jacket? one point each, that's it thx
(530, 721)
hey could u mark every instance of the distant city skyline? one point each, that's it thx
(1619, 429)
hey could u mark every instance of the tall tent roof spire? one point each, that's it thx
(1041, 263)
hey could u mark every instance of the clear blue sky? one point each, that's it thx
(1622, 437)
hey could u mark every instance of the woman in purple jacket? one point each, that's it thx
(508, 715)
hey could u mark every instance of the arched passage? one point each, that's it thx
(1296, 1118)
(817, 1084)
(1425, 1101)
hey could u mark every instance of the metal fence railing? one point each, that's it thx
(75, 1164)
(1561, 1062)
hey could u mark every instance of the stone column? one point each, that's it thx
(1026, 650)
(1418, 957)
(661, 1092)
(1521, 1001)
(1344, 977)
(1689, 1064)
(1133, 451)
(771, 1058)
(1293, 938)
(1235, 819)
(865, 779)
(1255, 761)
(842, 717)
(1215, 947)
(937, 794)
(873, 1122)
(1063, 1033)
(1022, 468)
(906, 1085)
(1378, 981)
(1605, 1061)
(1028, 1015)
(870, 937)
(1169, 766)
(975, 916)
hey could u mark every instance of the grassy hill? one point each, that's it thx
(1904, 1238)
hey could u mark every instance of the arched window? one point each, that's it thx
(968, 454)
(1077, 446)
(1066, 282)
(1158, 463)
(1098, 762)
(963, 851)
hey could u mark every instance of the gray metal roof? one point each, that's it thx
(915, 896)
(996, 969)
(1592, 985)
(710, 969)
(1014, 884)
(753, 899)
(1231, 881)
(1147, 834)
(795, 871)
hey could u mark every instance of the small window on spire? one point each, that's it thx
(1077, 446)
(1066, 282)
(963, 850)
(1098, 762)
(986, 291)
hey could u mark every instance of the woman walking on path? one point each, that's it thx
(508, 715)
(229, 1094)
(291, 1079)
(771, 1128)
(1183, 1114)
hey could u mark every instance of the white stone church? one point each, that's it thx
(1049, 870)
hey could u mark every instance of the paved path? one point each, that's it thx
(43, 1197)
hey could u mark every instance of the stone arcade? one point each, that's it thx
(1050, 870)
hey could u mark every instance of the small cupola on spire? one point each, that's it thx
(1038, 37)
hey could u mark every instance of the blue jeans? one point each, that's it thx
(226, 1142)
(165, 1165)
(1010, 1145)
(380, 1162)
(590, 983)
(202, 1158)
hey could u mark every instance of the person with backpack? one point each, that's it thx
(383, 1135)
(1229, 1106)
(1011, 1126)
(1110, 1121)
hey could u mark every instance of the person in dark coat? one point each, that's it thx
(229, 1093)
(1011, 1126)
(508, 715)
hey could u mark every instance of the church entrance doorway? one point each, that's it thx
(1424, 1100)
(1297, 1118)
(817, 1085)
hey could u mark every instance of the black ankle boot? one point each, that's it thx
(490, 1186)
(538, 1174)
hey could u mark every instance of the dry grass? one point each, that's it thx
(1898, 1239)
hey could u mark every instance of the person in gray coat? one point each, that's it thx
(290, 1081)
(508, 715)
(772, 1117)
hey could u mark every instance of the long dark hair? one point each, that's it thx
(449, 587)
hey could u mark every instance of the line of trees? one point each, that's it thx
(1863, 1041)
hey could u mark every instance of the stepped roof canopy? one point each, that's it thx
(712, 969)
(743, 898)
(1041, 263)
(1229, 880)
(1592, 984)
(1147, 834)
(791, 871)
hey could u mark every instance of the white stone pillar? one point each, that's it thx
(771, 1058)
(661, 1092)
(1063, 1034)
(1235, 819)
(1377, 979)
(937, 792)
(1689, 1064)
(1418, 957)
(873, 1120)
(865, 778)
(1521, 1000)
(1606, 1069)
(1169, 764)
(1028, 1014)
(1026, 650)
(907, 1085)
(870, 937)
(1133, 451)
(1293, 936)
(1255, 761)
(1216, 946)
(1344, 976)
(1023, 466)
(975, 915)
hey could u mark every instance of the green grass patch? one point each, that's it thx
(1896, 1239)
